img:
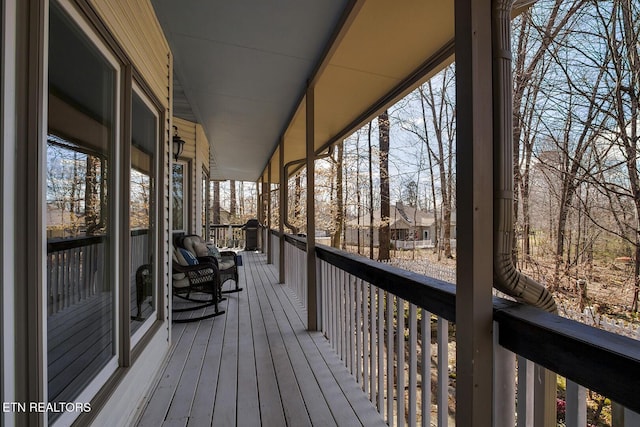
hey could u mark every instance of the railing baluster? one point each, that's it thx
(413, 365)
(341, 318)
(366, 328)
(400, 365)
(425, 371)
(355, 355)
(358, 326)
(443, 372)
(576, 405)
(334, 309)
(380, 351)
(373, 346)
(390, 354)
(525, 393)
(504, 389)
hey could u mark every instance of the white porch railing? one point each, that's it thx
(376, 317)
(275, 246)
(295, 256)
(74, 269)
(227, 236)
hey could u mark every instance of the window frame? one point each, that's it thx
(186, 166)
(152, 105)
(93, 36)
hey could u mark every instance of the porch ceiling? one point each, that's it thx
(243, 68)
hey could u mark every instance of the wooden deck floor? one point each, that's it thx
(256, 365)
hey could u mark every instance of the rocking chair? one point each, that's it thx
(198, 278)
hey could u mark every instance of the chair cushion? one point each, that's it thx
(223, 265)
(188, 256)
(213, 251)
(201, 249)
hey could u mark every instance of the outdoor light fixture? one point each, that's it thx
(178, 143)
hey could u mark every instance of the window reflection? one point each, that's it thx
(80, 293)
(141, 212)
(178, 196)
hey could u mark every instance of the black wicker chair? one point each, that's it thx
(198, 284)
(226, 261)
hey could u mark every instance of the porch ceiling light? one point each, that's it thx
(178, 143)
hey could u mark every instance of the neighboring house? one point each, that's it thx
(409, 227)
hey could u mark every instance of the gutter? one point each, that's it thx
(285, 179)
(507, 278)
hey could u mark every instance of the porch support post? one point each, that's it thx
(267, 235)
(281, 204)
(312, 298)
(474, 273)
(263, 219)
(259, 211)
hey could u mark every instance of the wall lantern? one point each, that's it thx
(178, 143)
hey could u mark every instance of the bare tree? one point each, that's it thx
(339, 191)
(233, 198)
(384, 238)
(370, 191)
(216, 202)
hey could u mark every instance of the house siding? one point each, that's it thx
(137, 30)
(196, 152)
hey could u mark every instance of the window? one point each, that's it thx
(142, 210)
(180, 190)
(80, 194)
(205, 203)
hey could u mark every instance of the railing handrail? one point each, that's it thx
(66, 243)
(63, 244)
(226, 225)
(297, 241)
(436, 296)
(599, 360)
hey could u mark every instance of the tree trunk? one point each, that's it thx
(385, 208)
(297, 196)
(216, 202)
(93, 195)
(358, 194)
(370, 194)
(339, 216)
(232, 196)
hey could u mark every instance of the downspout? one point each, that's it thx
(285, 179)
(507, 278)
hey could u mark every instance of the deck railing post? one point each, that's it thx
(281, 204)
(268, 234)
(312, 297)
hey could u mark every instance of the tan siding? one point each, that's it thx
(196, 152)
(135, 26)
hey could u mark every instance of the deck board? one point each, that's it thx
(255, 365)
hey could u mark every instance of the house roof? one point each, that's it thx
(242, 68)
(402, 217)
